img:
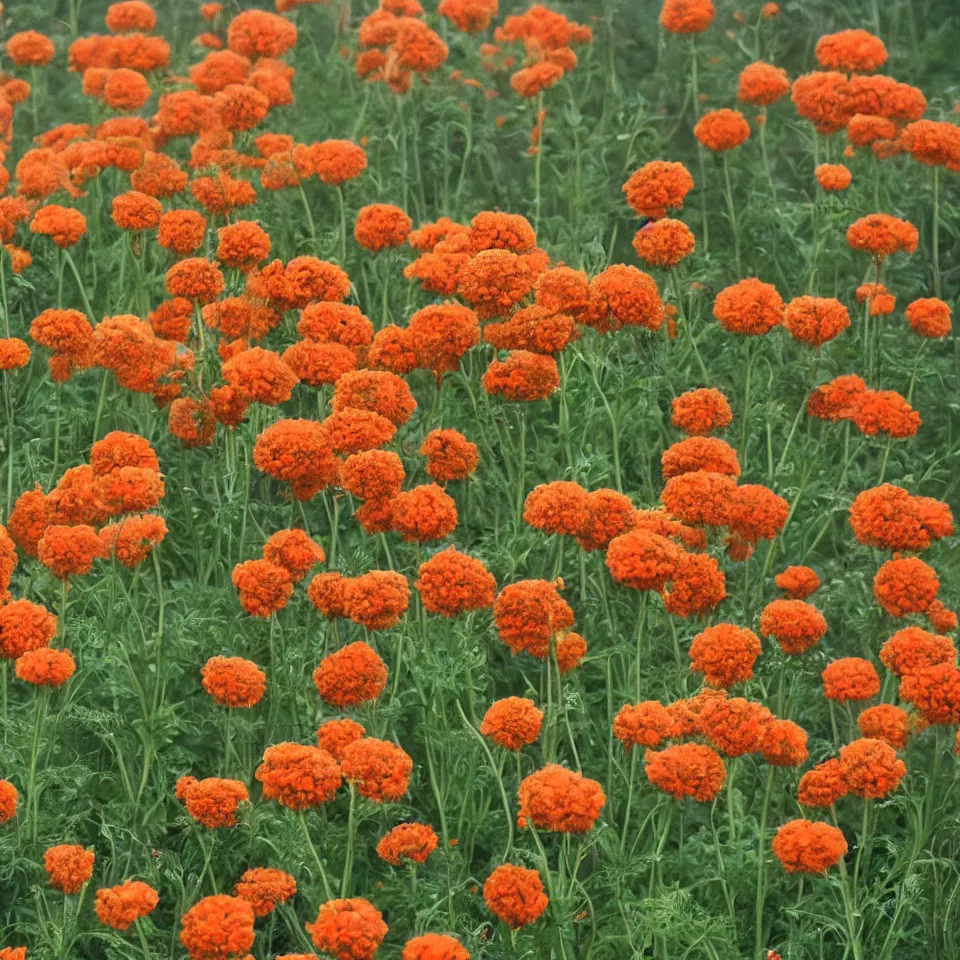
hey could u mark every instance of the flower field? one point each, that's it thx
(476, 480)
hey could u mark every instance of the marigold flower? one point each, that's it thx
(890, 518)
(133, 539)
(795, 624)
(798, 582)
(298, 776)
(528, 614)
(658, 186)
(377, 600)
(784, 744)
(885, 411)
(335, 322)
(295, 551)
(45, 667)
(335, 736)
(871, 768)
(887, 723)
(317, 364)
(350, 676)
(803, 846)
(264, 587)
(494, 281)
(24, 626)
(624, 296)
(701, 412)
(352, 431)
(296, 452)
(686, 770)
(664, 243)
(722, 130)
(450, 455)
(850, 678)
(470, 16)
(698, 585)
(30, 49)
(407, 842)
(941, 618)
(381, 225)
(700, 453)
(233, 681)
(69, 551)
(749, 307)
(700, 497)
(833, 177)
(129, 16)
(911, 649)
(725, 654)
(69, 867)
(559, 800)
(434, 946)
(212, 802)
(559, 507)
(376, 391)
(905, 585)
(933, 690)
(195, 279)
(515, 895)
(193, 424)
(512, 723)
(380, 770)
(257, 33)
(882, 235)
(424, 513)
(642, 560)
(348, 929)
(64, 225)
(762, 84)
(822, 786)
(65, 332)
(182, 231)
(854, 51)
(757, 513)
(815, 320)
(838, 399)
(451, 583)
(263, 888)
(929, 317)
(441, 335)
(645, 724)
(14, 353)
(337, 161)
(733, 725)
(9, 797)
(522, 377)
(243, 244)
(218, 928)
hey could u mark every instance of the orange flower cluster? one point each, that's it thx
(929, 317)
(722, 130)
(559, 800)
(850, 678)
(853, 51)
(803, 846)
(408, 842)
(395, 47)
(871, 768)
(749, 307)
(687, 16)
(887, 723)
(263, 888)
(218, 928)
(512, 723)
(451, 583)
(833, 177)
(121, 906)
(45, 667)
(9, 798)
(378, 769)
(725, 654)
(350, 676)
(335, 736)
(299, 777)
(212, 802)
(882, 235)
(891, 518)
(762, 84)
(434, 946)
(686, 770)
(233, 681)
(69, 867)
(515, 895)
(795, 624)
(645, 724)
(529, 614)
(798, 582)
(905, 585)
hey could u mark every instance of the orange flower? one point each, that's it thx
(881, 235)
(69, 866)
(722, 130)
(296, 452)
(931, 142)
(350, 676)
(725, 654)
(240, 106)
(337, 161)
(243, 244)
(701, 498)
(559, 800)
(28, 520)
(784, 744)
(664, 243)
(129, 16)
(294, 551)
(570, 649)
(733, 725)
(686, 770)
(69, 551)
(440, 335)
(929, 317)
(263, 888)
(757, 513)
(838, 399)
(493, 281)
(854, 51)
(182, 231)
(392, 349)
(645, 724)
(749, 307)
(298, 776)
(335, 736)
(192, 423)
(64, 225)
(264, 587)
(610, 514)
(762, 84)
(515, 895)
(512, 723)
(133, 539)
(376, 391)
(803, 846)
(528, 614)
(822, 786)
(700, 412)
(14, 354)
(348, 929)
(337, 323)
(560, 507)
(911, 649)
(700, 453)
(795, 624)
(941, 618)
(9, 798)
(125, 90)
(354, 431)
(218, 928)
(624, 296)
(933, 690)
(381, 225)
(24, 626)
(434, 946)
(372, 475)
(317, 364)
(212, 802)
(658, 186)
(905, 585)
(407, 843)
(451, 583)
(233, 681)
(687, 16)
(890, 518)
(871, 768)
(522, 377)
(850, 678)
(450, 456)
(642, 560)
(424, 513)
(380, 770)
(159, 176)
(44, 667)
(815, 320)
(470, 16)
(376, 600)
(833, 177)
(256, 33)
(798, 582)
(260, 376)
(30, 49)
(887, 723)
(195, 279)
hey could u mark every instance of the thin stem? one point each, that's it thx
(351, 841)
(328, 890)
(762, 865)
(732, 212)
(936, 231)
(34, 799)
(343, 227)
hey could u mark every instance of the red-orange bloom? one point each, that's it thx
(798, 582)
(434, 946)
(929, 317)
(377, 599)
(529, 614)
(295, 551)
(350, 676)
(424, 513)
(645, 724)
(212, 802)
(195, 279)
(299, 776)
(882, 235)
(30, 49)
(833, 177)
(749, 307)
(69, 551)
(822, 786)
(686, 770)
(642, 560)
(64, 225)
(69, 867)
(795, 624)
(218, 928)
(233, 681)
(9, 798)
(912, 648)
(512, 723)
(297, 452)
(905, 585)
(451, 583)
(348, 929)
(558, 507)
(559, 800)
(725, 654)
(700, 498)
(381, 225)
(700, 453)
(803, 846)
(933, 690)
(182, 231)
(263, 888)
(890, 518)
(762, 84)
(121, 906)
(853, 51)
(700, 412)
(658, 186)
(838, 399)
(450, 455)
(515, 895)
(407, 843)
(815, 320)
(264, 587)
(871, 768)
(664, 243)
(522, 377)
(887, 723)
(722, 130)
(45, 667)
(850, 678)
(24, 626)
(335, 736)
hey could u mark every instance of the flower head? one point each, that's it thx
(68, 866)
(686, 770)
(803, 846)
(559, 800)
(512, 723)
(298, 776)
(217, 928)
(407, 842)
(515, 895)
(380, 770)
(233, 681)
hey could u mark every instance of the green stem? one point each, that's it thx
(761, 865)
(32, 793)
(328, 890)
(732, 211)
(936, 230)
(351, 842)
